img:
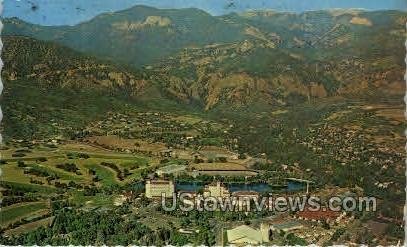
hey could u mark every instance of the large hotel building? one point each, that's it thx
(216, 189)
(155, 188)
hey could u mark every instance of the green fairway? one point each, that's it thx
(137, 162)
(78, 198)
(27, 187)
(18, 211)
(107, 176)
(12, 173)
(30, 226)
(67, 176)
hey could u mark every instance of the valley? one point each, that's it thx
(101, 167)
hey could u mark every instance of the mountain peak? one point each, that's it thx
(138, 8)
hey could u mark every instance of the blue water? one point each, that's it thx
(258, 187)
(295, 186)
(189, 186)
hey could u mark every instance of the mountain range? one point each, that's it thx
(261, 58)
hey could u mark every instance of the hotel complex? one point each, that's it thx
(156, 188)
(216, 190)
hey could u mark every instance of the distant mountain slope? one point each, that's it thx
(144, 35)
(260, 58)
(136, 36)
(357, 54)
(328, 28)
(51, 90)
(53, 65)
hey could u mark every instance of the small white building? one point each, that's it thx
(171, 169)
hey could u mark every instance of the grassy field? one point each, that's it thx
(219, 166)
(137, 162)
(29, 154)
(29, 226)
(114, 142)
(79, 199)
(64, 149)
(64, 175)
(12, 173)
(19, 211)
(29, 187)
(68, 153)
(107, 175)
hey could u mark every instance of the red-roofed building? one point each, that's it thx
(321, 215)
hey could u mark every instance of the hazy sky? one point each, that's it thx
(69, 12)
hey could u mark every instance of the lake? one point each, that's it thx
(258, 187)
